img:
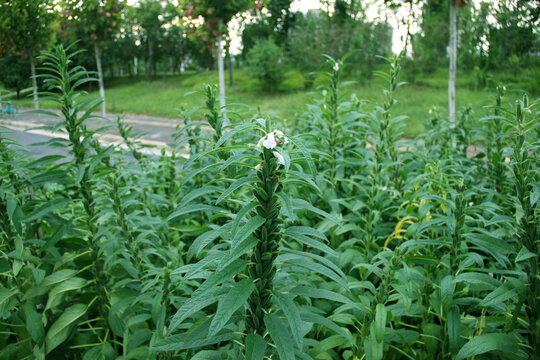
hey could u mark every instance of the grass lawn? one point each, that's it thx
(167, 98)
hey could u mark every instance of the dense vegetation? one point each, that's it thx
(328, 239)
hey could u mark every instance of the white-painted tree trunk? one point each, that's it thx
(34, 81)
(100, 80)
(221, 74)
(452, 52)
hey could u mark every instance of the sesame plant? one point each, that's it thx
(328, 236)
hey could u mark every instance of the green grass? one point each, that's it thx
(167, 98)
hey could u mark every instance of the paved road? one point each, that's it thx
(155, 131)
(30, 144)
(154, 128)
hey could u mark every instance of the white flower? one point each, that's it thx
(270, 142)
(336, 67)
(258, 166)
(279, 158)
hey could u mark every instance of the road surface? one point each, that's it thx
(24, 128)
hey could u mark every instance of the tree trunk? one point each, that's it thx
(34, 81)
(100, 80)
(221, 74)
(149, 62)
(452, 55)
(164, 69)
(229, 61)
(135, 66)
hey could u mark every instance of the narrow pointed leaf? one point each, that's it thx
(235, 298)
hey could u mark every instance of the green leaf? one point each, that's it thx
(320, 294)
(524, 254)
(490, 342)
(304, 205)
(235, 185)
(7, 300)
(173, 344)
(196, 193)
(240, 216)
(372, 348)
(307, 155)
(253, 224)
(281, 336)
(296, 260)
(255, 347)
(380, 322)
(46, 208)
(61, 328)
(206, 294)
(65, 286)
(299, 233)
(311, 317)
(58, 277)
(286, 206)
(233, 131)
(326, 344)
(478, 278)
(194, 304)
(191, 209)
(235, 298)
(454, 328)
(292, 314)
(34, 325)
(207, 355)
(204, 239)
(237, 251)
(197, 336)
(103, 351)
(448, 286)
(498, 296)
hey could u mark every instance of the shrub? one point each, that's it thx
(292, 81)
(264, 62)
(14, 73)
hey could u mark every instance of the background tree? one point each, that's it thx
(216, 15)
(26, 27)
(14, 73)
(515, 33)
(95, 21)
(149, 18)
(264, 63)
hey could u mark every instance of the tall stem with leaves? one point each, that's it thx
(525, 175)
(262, 269)
(332, 116)
(65, 80)
(496, 155)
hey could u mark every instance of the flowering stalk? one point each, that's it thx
(333, 105)
(385, 146)
(125, 131)
(261, 268)
(527, 236)
(66, 81)
(127, 234)
(496, 155)
(212, 116)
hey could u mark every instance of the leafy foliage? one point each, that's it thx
(337, 239)
(264, 60)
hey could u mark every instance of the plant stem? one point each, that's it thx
(261, 268)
